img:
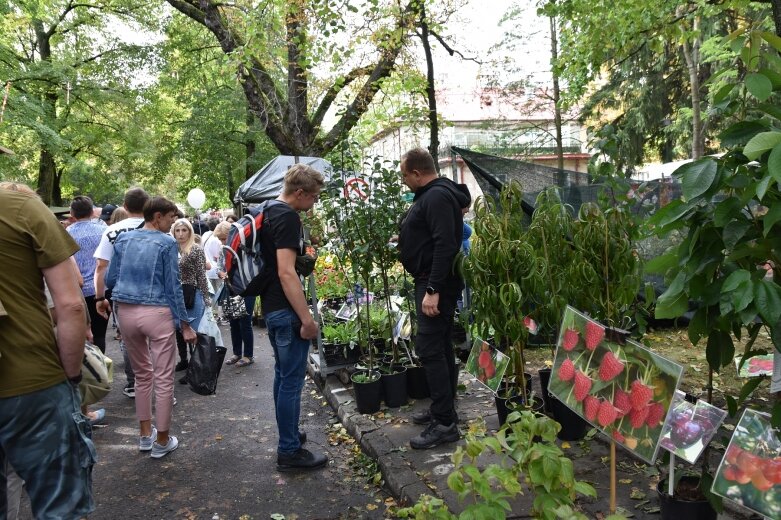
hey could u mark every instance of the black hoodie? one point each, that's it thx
(430, 234)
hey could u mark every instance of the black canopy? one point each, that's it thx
(267, 182)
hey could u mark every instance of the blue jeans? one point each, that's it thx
(47, 440)
(241, 330)
(290, 352)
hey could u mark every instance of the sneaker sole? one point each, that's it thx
(286, 468)
(421, 422)
(161, 455)
(444, 440)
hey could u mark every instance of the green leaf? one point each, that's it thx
(720, 350)
(735, 279)
(771, 218)
(774, 163)
(759, 85)
(733, 232)
(773, 76)
(748, 387)
(698, 176)
(732, 405)
(723, 92)
(763, 185)
(771, 110)
(767, 298)
(726, 210)
(671, 306)
(761, 143)
(772, 39)
(670, 213)
(661, 264)
(740, 133)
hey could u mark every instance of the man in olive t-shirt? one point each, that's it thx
(42, 433)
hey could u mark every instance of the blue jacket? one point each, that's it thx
(145, 271)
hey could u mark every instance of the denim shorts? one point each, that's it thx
(48, 442)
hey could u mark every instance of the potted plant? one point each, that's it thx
(339, 345)
(362, 229)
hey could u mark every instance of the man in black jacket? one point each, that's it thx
(429, 240)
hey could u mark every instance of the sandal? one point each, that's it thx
(245, 361)
(232, 360)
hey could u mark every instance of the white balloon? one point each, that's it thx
(196, 198)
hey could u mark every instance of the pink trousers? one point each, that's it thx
(150, 339)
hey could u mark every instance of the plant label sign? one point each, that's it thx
(347, 312)
(487, 364)
(750, 472)
(403, 328)
(618, 385)
(755, 366)
(690, 427)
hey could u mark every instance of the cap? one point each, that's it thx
(108, 209)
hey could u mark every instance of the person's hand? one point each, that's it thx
(188, 333)
(431, 305)
(222, 275)
(90, 337)
(309, 329)
(103, 308)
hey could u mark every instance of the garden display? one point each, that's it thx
(487, 364)
(750, 472)
(619, 386)
(690, 427)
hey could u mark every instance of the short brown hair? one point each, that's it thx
(135, 200)
(158, 205)
(419, 159)
(303, 177)
(81, 207)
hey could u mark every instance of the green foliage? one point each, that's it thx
(732, 209)
(525, 465)
(340, 332)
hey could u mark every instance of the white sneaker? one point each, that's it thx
(145, 443)
(159, 452)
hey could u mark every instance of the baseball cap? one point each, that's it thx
(108, 209)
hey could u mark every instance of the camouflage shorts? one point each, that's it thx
(47, 440)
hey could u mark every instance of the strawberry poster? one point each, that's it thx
(690, 427)
(486, 364)
(618, 385)
(750, 472)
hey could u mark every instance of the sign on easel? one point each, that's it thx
(487, 364)
(690, 426)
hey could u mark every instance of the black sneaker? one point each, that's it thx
(422, 417)
(302, 459)
(183, 380)
(130, 391)
(434, 435)
(182, 365)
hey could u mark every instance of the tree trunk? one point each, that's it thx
(691, 52)
(249, 145)
(46, 174)
(56, 189)
(231, 184)
(46, 166)
(776, 15)
(430, 90)
(554, 50)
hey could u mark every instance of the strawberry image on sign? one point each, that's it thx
(640, 395)
(610, 367)
(607, 413)
(582, 385)
(567, 370)
(590, 407)
(594, 335)
(570, 340)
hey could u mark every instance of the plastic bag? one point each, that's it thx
(206, 360)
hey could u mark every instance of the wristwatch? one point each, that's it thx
(431, 290)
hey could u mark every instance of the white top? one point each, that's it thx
(213, 249)
(105, 249)
(206, 236)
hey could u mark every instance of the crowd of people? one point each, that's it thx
(159, 276)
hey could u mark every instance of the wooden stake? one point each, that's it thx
(671, 476)
(612, 476)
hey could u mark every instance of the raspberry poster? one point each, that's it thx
(486, 364)
(618, 385)
(690, 427)
(750, 472)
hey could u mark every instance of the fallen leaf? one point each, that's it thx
(636, 494)
(371, 507)
(565, 445)
(218, 437)
(625, 481)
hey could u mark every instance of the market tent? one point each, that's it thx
(267, 182)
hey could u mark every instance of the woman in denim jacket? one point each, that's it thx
(145, 283)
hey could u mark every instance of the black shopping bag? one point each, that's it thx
(205, 363)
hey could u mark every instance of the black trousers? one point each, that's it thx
(434, 347)
(98, 324)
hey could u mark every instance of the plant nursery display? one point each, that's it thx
(690, 427)
(619, 386)
(487, 364)
(750, 472)
(759, 365)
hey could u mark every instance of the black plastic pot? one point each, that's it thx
(678, 508)
(506, 405)
(506, 389)
(573, 426)
(368, 396)
(394, 386)
(544, 374)
(417, 384)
